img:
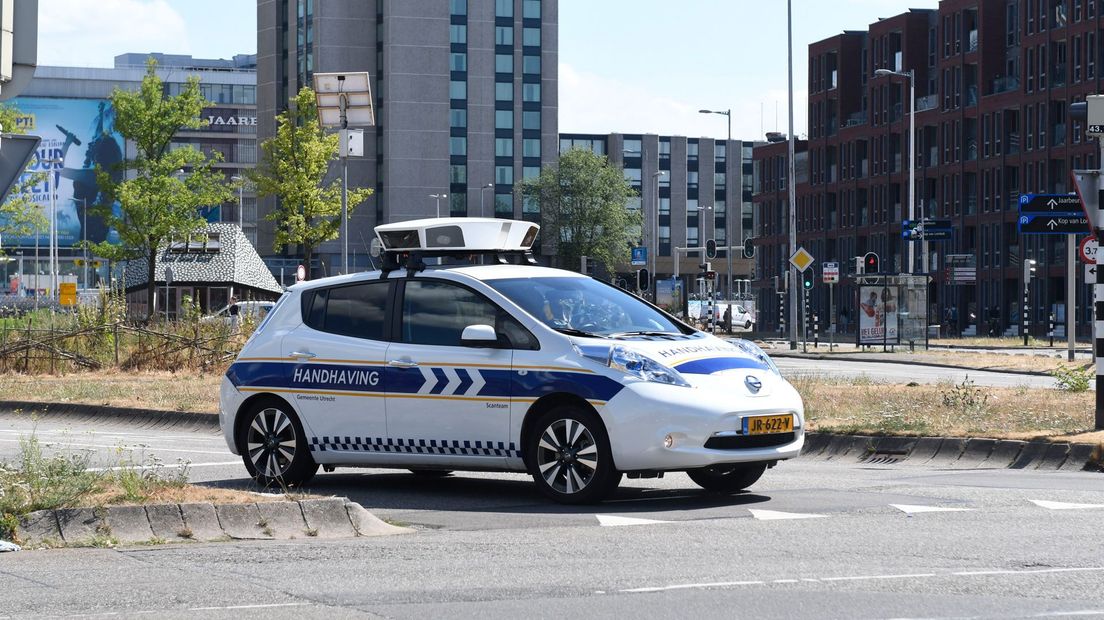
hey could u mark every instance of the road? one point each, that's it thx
(904, 373)
(812, 539)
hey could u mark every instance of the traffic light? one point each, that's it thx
(642, 279)
(807, 279)
(1029, 270)
(858, 265)
(710, 249)
(870, 263)
(749, 248)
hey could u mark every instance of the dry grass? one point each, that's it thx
(1033, 362)
(115, 494)
(167, 391)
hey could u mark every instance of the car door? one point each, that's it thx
(445, 399)
(335, 368)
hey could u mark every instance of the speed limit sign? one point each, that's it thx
(1087, 250)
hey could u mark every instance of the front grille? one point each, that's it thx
(738, 442)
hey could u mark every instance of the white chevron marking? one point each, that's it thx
(453, 381)
(477, 382)
(1042, 503)
(614, 521)
(429, 378)
(912, 509)
(773, 515)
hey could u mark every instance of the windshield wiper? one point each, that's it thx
(571, 331)
(643, 333)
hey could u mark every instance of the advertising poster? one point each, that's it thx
(877, 315)
(669, 295)
(81, 133)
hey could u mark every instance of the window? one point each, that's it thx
(504, 8)
(531, 9)
(504, 63)
(504, 175)
(436, 313)
(504, 119)
(665, 206)
(719, 155)
(530, 120)
(504, 91)
(458, 89)
(531, 65)
(458, 33)
(458, 62)
(719, 180)
(631, 148)
(531, 37)
(692, 152)
(504, 204)
(692, 179)
(504, 35)
(458, 146)
(632, 175)
(458, 7)
(458, 204)
(531, 92)
(458, 118)
(530, 147)
(504, 147)
(530, 172)
(349, 310)
(458, 174)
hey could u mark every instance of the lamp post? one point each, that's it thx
(438, 197)
(728, 210)
(241, 185)
(654, 255)
(911, 75)
(482, 192)
(53, 225)
(84, 237)
(791, 180)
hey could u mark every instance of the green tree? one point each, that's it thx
(584, 209)
(168, 184)
(19, 214)
(293, 168)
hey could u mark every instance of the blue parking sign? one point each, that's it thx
(639, 256)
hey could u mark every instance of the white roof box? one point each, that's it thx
(476, 234)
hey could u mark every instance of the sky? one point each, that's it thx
(626, 66)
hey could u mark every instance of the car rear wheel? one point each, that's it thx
(727, 478)
(274, 447)
(570, 457)
(747, 325)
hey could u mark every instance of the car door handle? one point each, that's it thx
(402, 364)
(302, 355)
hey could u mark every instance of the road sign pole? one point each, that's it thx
(831, 317)
(1071, 296)
(1098, 310)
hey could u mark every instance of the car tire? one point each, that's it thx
(747, 325)
(431, 473)
(274, 447)
(570, 457)
(727, 478)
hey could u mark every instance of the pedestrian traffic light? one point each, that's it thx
(710, 249)
(807, 279)
(858, 265)
(870, 263)
(642, 279)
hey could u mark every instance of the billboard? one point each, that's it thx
(877, 315)
(669, 296)
(81, 133)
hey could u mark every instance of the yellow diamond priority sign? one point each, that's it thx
(801, 259)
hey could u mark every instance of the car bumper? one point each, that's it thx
(230, 401)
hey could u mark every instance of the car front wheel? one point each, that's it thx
(274, 447)
(571, 461)
(727, 478)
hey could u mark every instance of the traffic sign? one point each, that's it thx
(639, 256)
(301, 273)
(1090, 274)
(1050, 203)
(801, 259)
(1087, 250)
(1053, 224)
(67, 293)
(830, 272)
(926, 230)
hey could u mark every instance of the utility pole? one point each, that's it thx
(791, 179)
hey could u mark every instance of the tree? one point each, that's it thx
(19, 214)
(584, 208)
(293, 169)
(168, 184)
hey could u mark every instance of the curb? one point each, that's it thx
(334, 517)
(955, 452)
(138, 418)
(840, 358)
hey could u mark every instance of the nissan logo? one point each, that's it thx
(753, 383)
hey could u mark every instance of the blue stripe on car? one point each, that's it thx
(711, 365)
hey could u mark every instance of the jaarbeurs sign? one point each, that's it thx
(228, 119)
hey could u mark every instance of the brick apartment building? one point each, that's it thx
(994, 81)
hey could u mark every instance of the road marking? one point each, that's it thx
(911, 509)
(842, 578)
(164, 466)
(615, 521)
(1042, 503)
(775, 515)
(60, 444)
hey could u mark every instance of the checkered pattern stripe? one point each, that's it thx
(414, 446)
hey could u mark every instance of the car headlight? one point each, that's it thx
(757, 352)
(632, 363)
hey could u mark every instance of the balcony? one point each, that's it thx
(856, 119)
(1004, 84)
(927, 102)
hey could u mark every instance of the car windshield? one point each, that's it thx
(584, 306)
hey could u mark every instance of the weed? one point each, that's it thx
(1071, 378)
(311, 531)
(186, 533)
(965, 398)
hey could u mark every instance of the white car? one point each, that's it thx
(255, 310)
(505, 366)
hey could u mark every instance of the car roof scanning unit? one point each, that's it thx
(504, 241)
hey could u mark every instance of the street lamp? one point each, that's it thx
(728, 210)
(241, 185)
(911, 75)
(53, 227)
(438, 197)
(654, 255)
(482, 192)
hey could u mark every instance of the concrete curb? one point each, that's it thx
(334, 517)
(955, 452)
(843, 357)
(136, 418)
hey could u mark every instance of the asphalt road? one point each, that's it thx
(812, 539)
(904, 373)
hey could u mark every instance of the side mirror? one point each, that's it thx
(479, 336)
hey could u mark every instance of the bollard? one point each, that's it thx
(1050, 328)
(816, 332)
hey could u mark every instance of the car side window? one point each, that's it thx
(357, 310)
(436, 313)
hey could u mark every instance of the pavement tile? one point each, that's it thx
(976, 453)
(1029, 457)
(241, 521)
(327, 517)
(128, 523)
(39, 527)
(1079, 456)
(201, 521)
(165, 521)
(81, 525)
(284, 519)
(1005, 453)
(1054, 456)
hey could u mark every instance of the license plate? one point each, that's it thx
(768, 424)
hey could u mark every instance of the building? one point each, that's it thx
(70, 108)
(465, 96)
(994, 81)
(699, 191)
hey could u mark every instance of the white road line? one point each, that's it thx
(614, 521)
(58, 444)
(165, 466)
(912, 509)
(967, 573)
(775, 515)
(1063, 505)
(269, 606)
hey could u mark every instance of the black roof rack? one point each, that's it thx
(414, 260)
